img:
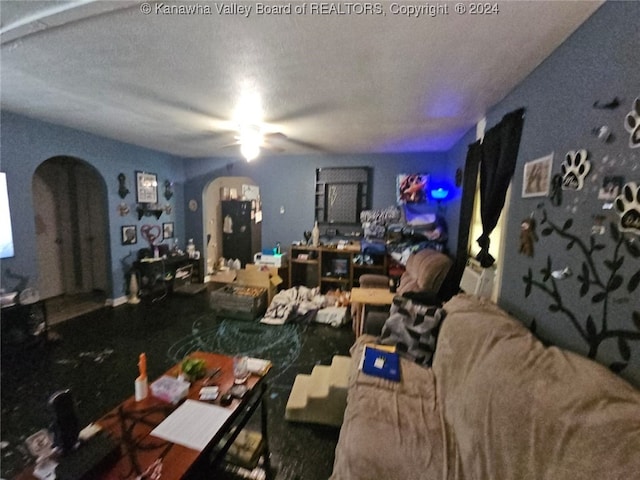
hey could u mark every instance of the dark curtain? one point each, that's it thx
(498, 151)
(451, 285)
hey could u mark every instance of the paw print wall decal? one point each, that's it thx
(574, 168)
(632, 124)
(627, 205)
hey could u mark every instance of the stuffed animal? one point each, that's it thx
(527, 236)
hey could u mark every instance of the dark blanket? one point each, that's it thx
(412, 327)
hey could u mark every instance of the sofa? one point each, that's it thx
(496, 404)
(424, 274)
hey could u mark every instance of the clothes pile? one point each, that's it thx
(293, 305)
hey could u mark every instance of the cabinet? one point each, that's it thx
(156, 275)
(330, 267)
(241, 235)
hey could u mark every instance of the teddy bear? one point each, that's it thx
(527, 236)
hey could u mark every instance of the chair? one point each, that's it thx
(421, 281)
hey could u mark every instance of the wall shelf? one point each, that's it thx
(145, 210)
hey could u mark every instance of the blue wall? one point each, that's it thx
(284, 181)
(598, 62)
(289, 181)
(26, 143)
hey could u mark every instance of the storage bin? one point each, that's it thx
(241, 302)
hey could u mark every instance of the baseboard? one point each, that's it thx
(116, 302)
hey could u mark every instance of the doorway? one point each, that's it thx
(212, 213)
(69, 198)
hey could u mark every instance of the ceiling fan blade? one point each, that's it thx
(307, 145)
(303, 112)
(206, 135)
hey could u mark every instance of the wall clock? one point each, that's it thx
(193, 205)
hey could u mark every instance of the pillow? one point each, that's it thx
(412, 328)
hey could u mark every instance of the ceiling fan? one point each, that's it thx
(244, 130)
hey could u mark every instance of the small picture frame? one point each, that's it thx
(611, 187)
(536, 178)
(146, 187)
(167, 230)
(128, 235)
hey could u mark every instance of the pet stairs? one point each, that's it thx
(322, 396)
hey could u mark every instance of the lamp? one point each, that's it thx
(439, 194)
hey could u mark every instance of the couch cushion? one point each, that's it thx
(514, 409)
(390, 429)
(425, 271)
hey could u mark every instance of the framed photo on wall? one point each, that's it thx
(611, 187)
(412, 188)
(167, 230)
(536, 178)
(146, 187)
(129, 235)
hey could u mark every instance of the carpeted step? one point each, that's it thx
(298, 396)
(320, 397)
(320, 382)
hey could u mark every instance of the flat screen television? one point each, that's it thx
(6, 236)
(339, 267)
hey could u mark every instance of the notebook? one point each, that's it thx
(381, 363)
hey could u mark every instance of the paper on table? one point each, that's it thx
(193, 424)
(258, 365)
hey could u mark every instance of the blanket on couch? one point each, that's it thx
(497, 404)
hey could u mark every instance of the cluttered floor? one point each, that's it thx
(95, 355)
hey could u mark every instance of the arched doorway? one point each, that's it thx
(70, 207)
(212, 212)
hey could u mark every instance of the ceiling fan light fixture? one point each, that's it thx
(249, 151)
(250, 140)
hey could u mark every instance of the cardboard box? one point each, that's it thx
(260, 276)
(252, 275)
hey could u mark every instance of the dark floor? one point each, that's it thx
(96, 356)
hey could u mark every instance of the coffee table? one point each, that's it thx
(361, 297)
(131, 422)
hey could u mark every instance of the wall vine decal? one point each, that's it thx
(600, 283)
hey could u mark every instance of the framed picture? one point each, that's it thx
(129, 235)
(167, 230)
(611, 188)
(412, 188)
(146, 187)
(537, 177)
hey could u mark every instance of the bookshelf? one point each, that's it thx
(330, 267)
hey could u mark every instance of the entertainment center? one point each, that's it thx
(332, 267)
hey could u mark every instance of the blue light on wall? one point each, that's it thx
(439, 193)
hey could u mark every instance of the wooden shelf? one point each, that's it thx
(306, 262)
(329, 259)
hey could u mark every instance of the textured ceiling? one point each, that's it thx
(330, 82)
